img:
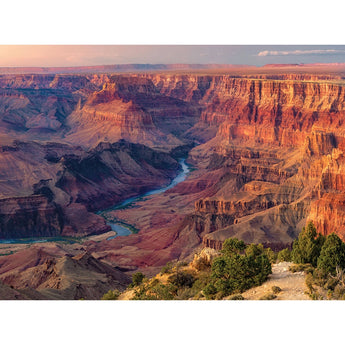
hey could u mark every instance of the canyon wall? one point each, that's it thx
(264, 110)
(52, 189)
(262, 170)
(267, 142)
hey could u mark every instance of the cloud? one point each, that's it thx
(300, 52)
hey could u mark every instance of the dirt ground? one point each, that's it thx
(292, 284)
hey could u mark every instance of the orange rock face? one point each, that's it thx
(273, 163)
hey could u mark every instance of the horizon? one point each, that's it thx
(62, 56)
(181, 64)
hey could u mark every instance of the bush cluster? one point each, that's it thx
(239, 268)
(284, 255)
(111, 295)
(326, 259)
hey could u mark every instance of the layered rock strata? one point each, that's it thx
(269, 156)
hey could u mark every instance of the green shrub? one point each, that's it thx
(316, 296)
(258, 263)
(319, 278)
(164, 292)
(181, 279)
(331, 283)
(284, 255)
(167, 268)
(182, 264)
(233, 246)
(209, 291)
(299, 268)
(137, 278)
(184, 294)
(202, 280)
(235, 272)
(155, 291)
(272, 256)
(309, 282)
(111, 295)
(276, 289)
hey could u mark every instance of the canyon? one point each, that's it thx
(265, 146)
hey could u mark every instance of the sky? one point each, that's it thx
(90, 55)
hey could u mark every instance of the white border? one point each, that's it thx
(172, 22)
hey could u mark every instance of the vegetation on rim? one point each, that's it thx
(239, 267)
(323, 260)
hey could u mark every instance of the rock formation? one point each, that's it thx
(53, 276)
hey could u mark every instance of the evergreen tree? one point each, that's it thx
(235, 272)
(306, 249)
(332, 255)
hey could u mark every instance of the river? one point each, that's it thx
(122, 230)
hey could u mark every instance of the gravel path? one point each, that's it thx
(292, 284)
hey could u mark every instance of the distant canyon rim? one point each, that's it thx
(265, 146)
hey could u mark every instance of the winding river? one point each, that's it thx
(123, 230)
(120, 228)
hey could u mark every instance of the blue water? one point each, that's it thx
(179, 178)
(122, 230)
(22, 240)
(36, 240)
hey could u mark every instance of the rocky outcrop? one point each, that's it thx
(63, 277)
(37, 216)
(236, 208)
(204, 258)
(328, 215)
(32, 216)
(320, 143)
